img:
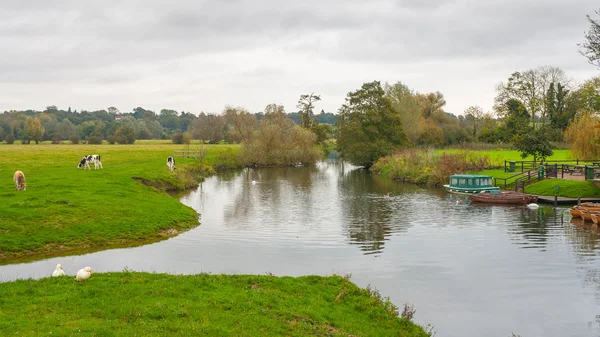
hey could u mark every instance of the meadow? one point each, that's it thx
(143, 304)
(67, 210)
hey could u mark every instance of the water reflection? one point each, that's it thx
(469, 269)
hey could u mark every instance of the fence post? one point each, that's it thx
(504, 165)
(522, 167)
(577, 161)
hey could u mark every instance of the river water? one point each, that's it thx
(468, 270)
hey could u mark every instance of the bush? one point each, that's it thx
(177, 138)
(25, 141)
(95, 140)
(10, 139)
(111, 139)
(56, 139)
(74, 139)
(125, 135)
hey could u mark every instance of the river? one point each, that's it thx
(468, 270)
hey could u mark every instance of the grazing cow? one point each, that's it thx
(92, 158)
(171, 163)
(19, 179)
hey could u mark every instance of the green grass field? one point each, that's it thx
(143, 304)
(499, 156)
(68, 210)
(567, 188)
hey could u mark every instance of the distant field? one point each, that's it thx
(66, 209)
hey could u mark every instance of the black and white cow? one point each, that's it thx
(92, 158)
(171, 163)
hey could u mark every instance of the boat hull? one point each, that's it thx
(501, 198)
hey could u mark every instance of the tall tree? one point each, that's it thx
(34, 129)
(306, 104)
(404, 101)
(590, 48)
(240, 124)
(369, 125)
(477, 113)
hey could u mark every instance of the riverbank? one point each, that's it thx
(66, 210)
(434, 167)
(144, 304)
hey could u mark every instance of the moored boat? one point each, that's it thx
(506, 198)
(468, 184)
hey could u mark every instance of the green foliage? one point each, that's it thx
(111, 139)
(52, 216)
(534, 143)
(125, 135)
(567, 188)
(33, 129)
(96, 139)
(147, 304)
(74, 139)
(10, 138)
(369, 126)
(322, 131)
(516, 117)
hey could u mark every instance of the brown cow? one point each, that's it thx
(19, 179)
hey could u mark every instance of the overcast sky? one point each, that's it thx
(202, 55)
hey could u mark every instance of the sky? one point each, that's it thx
(200, 56)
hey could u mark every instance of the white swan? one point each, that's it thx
(253, 182)
(459, 202)
(533, 206)
(58, 271)
(83, 274)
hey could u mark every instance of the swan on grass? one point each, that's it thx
(83, 274)
(58, 271)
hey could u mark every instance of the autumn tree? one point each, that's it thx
(583, 135)
(240, 124)
(306, 104)
(34, 129)
(369, 126)
(208, 127)
(125, 135)
(430, 103)
(590, 48)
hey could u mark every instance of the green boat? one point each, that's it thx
(470, 184)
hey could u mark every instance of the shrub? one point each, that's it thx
(10, 139)
(177, 138)
(56, 139)
(125, 135)
(111, 139)
(95, 140)
(25, 141)
(74, 139)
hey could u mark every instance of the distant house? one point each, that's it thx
(118, 117)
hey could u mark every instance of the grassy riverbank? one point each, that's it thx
(143, 304)
(67, 210)
(567, 188)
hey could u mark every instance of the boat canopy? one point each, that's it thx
(470, 181)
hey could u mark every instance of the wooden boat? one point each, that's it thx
(584, 212)
(506, 198)
(467, 184)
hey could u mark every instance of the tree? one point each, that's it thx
(516, 117)
(583, 135)
(369, 125)
(125, 135)
(534, 143)
(306, 104)
(208, 127)
(430, 103)
(34, 129)
(239, 124)
(591, 46)
(530, 88)
(403, 100)
(477, 113)
(113, 111)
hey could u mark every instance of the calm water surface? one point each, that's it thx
(468, 270)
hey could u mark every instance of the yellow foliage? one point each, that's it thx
(583, 135)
